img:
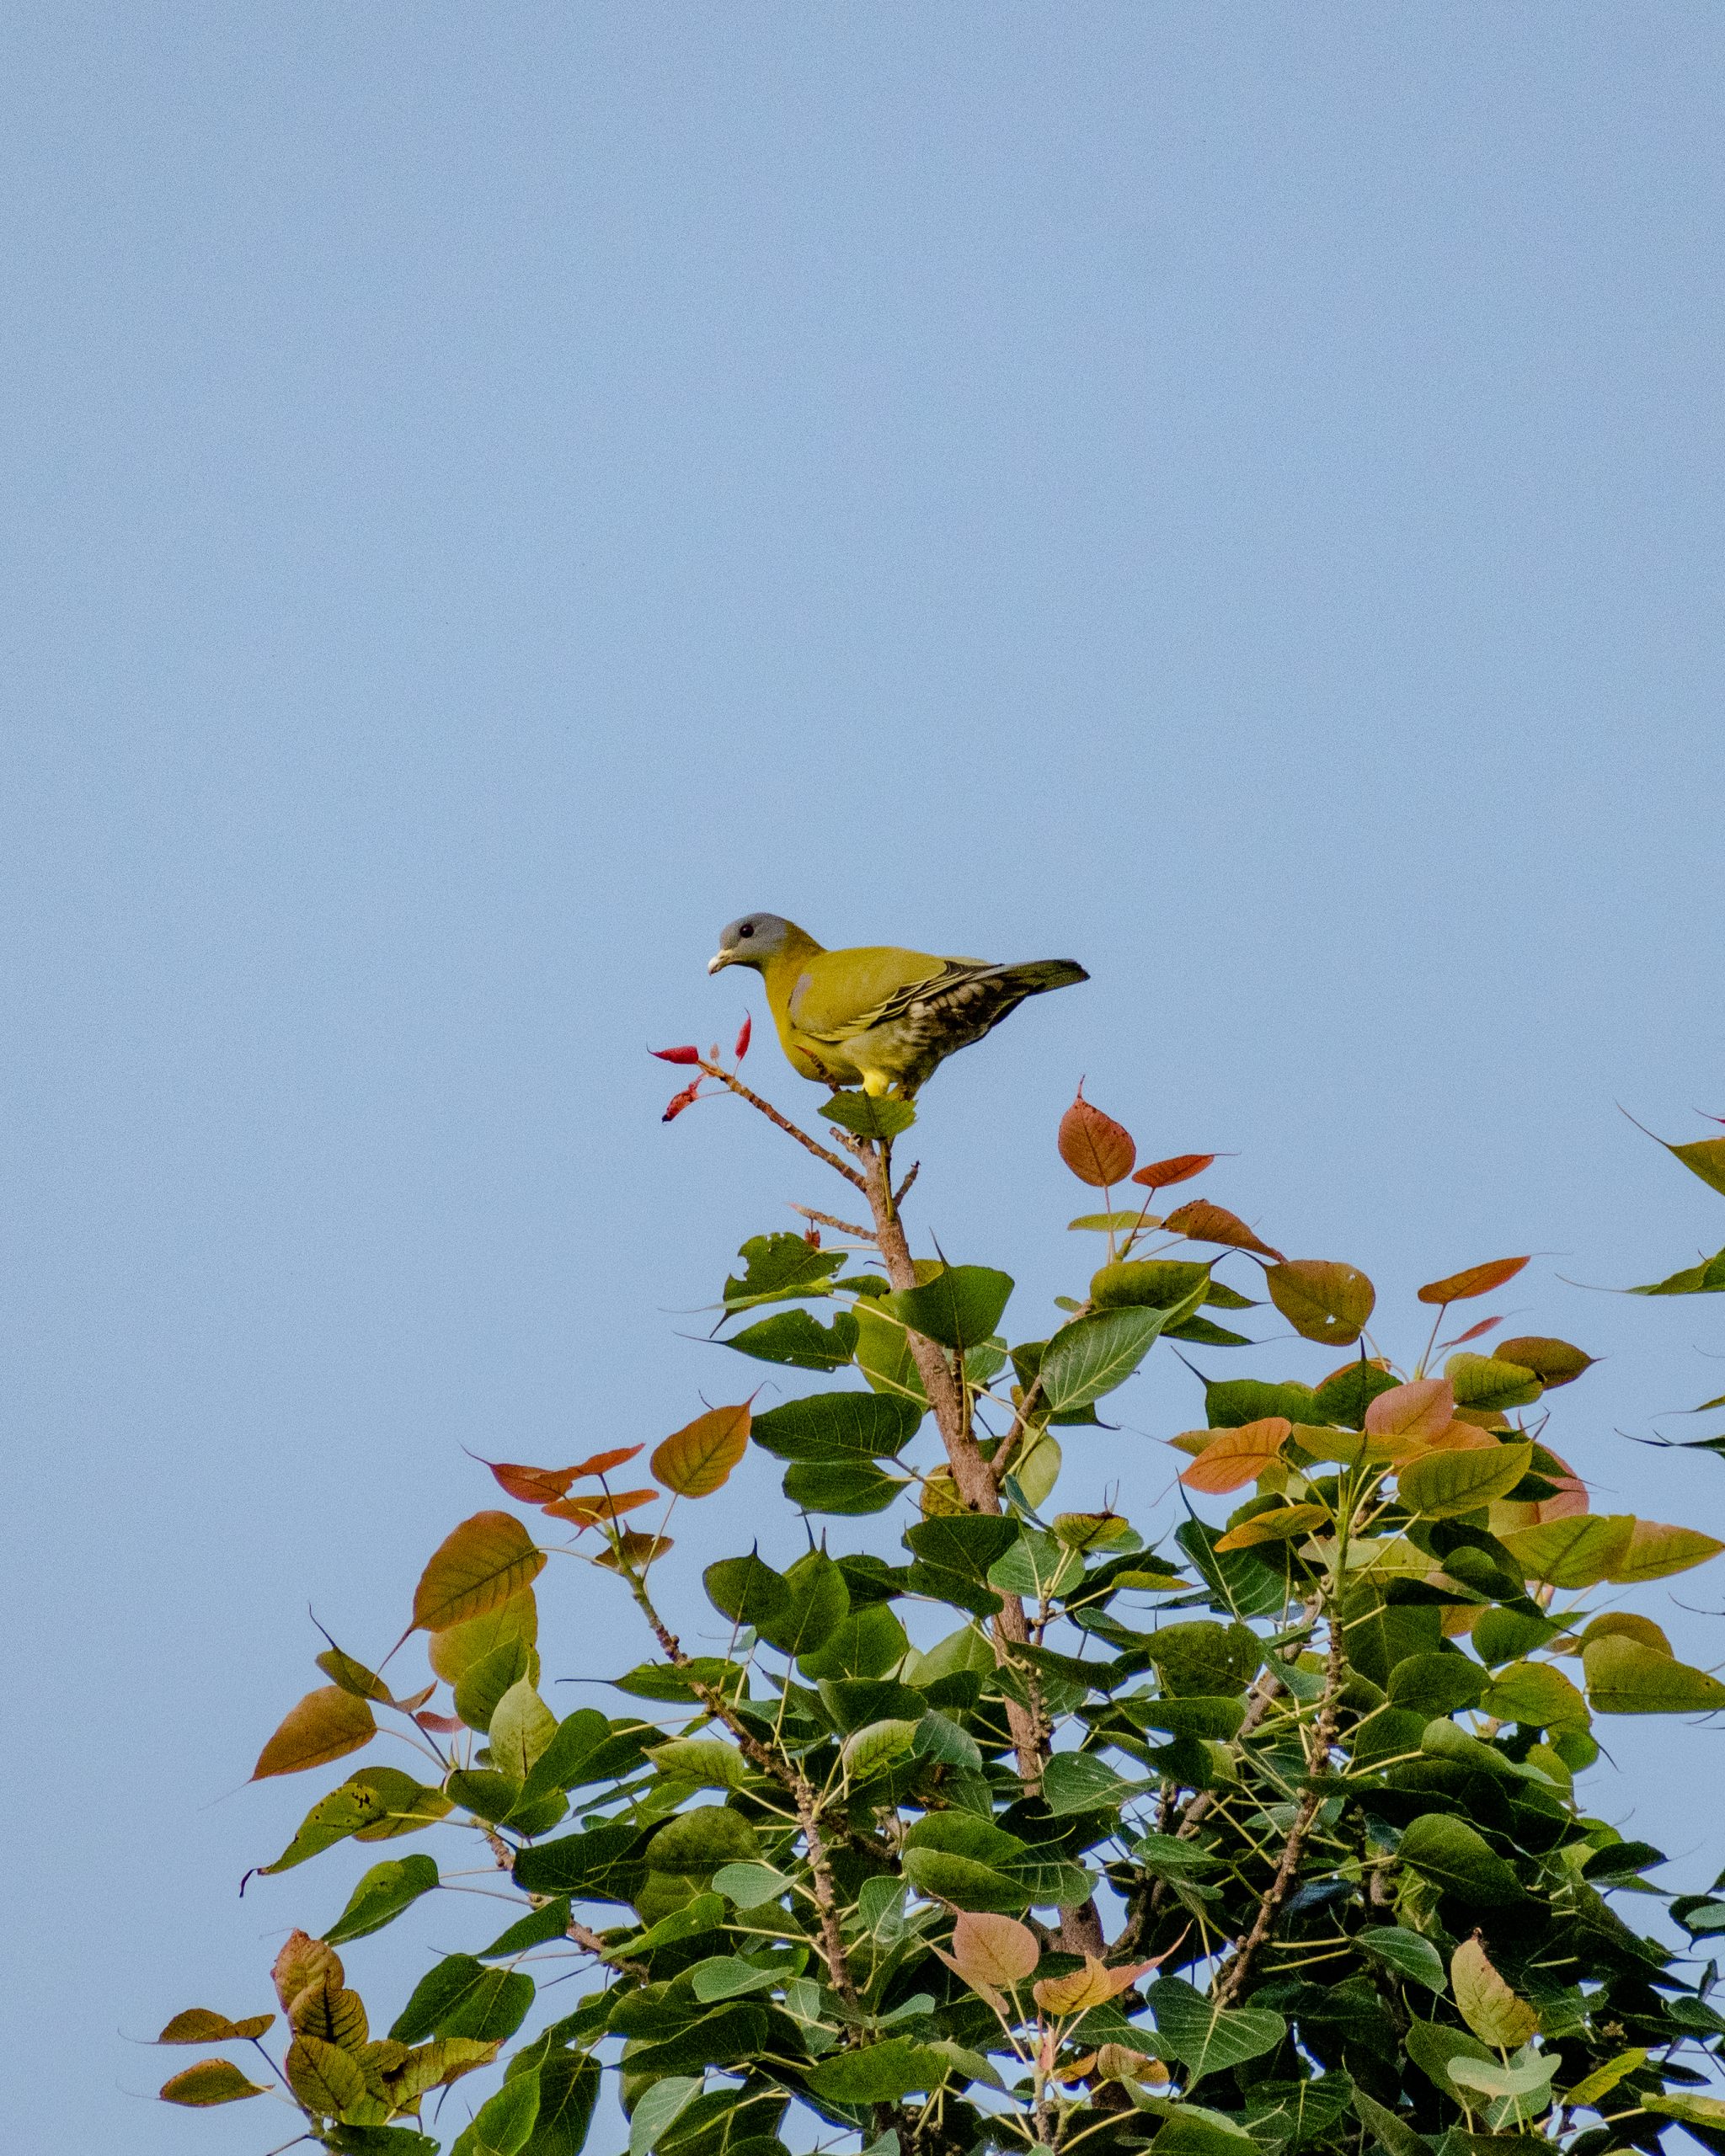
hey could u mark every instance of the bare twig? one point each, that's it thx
(844, 1227)
(585, 1936)
(814, 1145)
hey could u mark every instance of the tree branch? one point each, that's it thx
(733, 1084)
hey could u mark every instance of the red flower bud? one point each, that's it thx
(676, 1055)
(680, 1101)
(742, 1047)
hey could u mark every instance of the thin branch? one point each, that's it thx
(844, 1227)
(585, 1936)
(812, 1145)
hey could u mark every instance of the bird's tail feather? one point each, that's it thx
(1036, 976)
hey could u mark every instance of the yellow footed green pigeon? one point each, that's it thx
(877, 1015)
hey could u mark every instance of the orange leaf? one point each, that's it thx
(602, 1463)
(1098, 1149)
(1411, 1414)
(486, 1560)
(326, 1724)
(1234, 1458)
(1475, 1280)
(1179, 1168)
(696, 1460)
(590, 1510)
(633, 1549)
(1093, 1985)
(1201, 1222)
(993, 1949)
(530, 1486)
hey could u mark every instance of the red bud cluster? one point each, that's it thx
(742, 1047)
(679, 1102)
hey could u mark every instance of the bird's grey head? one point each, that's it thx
(751, 941)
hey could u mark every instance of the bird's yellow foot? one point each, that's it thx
(876, 1083)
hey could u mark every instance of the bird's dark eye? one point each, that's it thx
(747, 928)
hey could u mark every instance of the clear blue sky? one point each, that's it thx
(1229, 495)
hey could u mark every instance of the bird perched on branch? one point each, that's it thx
(878, 1016)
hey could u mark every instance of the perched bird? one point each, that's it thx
(879, 1015)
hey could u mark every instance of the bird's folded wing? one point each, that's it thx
(843, 993)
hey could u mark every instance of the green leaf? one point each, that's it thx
(1707, 1279)
(878, 2074)
(694, 1844)
(569, 2089)
(658, 2110)
(749, 1886)
(585, 1749)
(1322, 1300)
(1436, 1683)
(1389, 2129)
(777, 1267)
(884, 1357)
(1626, 1677)
(747, 1590)
(374, 1803)
(941, 1739)
(793, 1337)
(460, 1997)
(866, 1115)
(504, 2122)
(1201, 1658)
(1577, 1552)
(1112, 1223)
(1411, 1956)
(959, 1308)
(383, 1893)
(326, 2078)
(1485, 1382)
(1230, 1403)
(536, 1929)
(1433, 2045)
(877, 1745)
(1201, 1714)
(486, 1678)
(839, 1487)
(1206, 2038)
(1079, 1781)
(1157, 1283)
(1537, 1696)
(1445, 1485)
(1704, 1157)
(1460, 1860)
(1587, 2092)
(1093, 1355)
(869, 1642)
(838, 1426)
(209, 2081)
(522, 1727)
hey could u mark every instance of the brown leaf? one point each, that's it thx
(1487, 2005)
(1474, 1280)
(634, 1551)
(589, 1511)
(211, 2081)
(697, 1459)
(1552, 1362)
(199, 2025)
(1201, 1222)
(993, 1949)
(1234, 1458)
(326, 1724)
(303, 1961)
(1093, 1985)
(1098, 1149)
(488, 1559)
(1321, 1299)
(1179, 1168)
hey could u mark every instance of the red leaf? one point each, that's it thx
(531, 1486)
(1475, 1331)
(676, 1055)
(679, 1102)
(1179, 1168)
(441, 1725)
(1201, 1222)
(742, 1047)
(1098, 1149)
(602, 1463)
(1475, 1280)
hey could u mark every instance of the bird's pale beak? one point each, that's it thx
(720, 958)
